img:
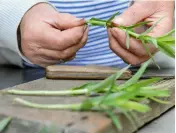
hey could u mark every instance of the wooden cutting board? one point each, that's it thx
(29, 120)
(101, 72)
(82, 72)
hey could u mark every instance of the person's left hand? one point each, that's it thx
(140, 11)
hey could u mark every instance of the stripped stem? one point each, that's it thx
(47, 93)
(48, 106)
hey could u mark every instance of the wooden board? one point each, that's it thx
(82, 72)
(28, 120)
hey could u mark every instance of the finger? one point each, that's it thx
(66, 21)
(43, 61)
(136, 46)
(134, 14)
(60, 40)
(123, 53)
(72, 50)
(70, 58)
(57, 55)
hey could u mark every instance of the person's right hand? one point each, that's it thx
(48, 36)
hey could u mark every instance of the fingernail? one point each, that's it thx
(118, 21)
(81, 19)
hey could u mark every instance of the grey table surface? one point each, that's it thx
(10, 76)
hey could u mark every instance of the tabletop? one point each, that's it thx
(11, 76)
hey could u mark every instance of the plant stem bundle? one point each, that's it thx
(125, 97)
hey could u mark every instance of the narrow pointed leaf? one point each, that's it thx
(168, 34)
(114, 119)
(154, 93)
(153, 41)
(131, 105)
(159, 101)
(139, 24)
(136, 77)
(142, 83)
(4, 123)
(108, 82)
(168, 50)
(127, 40)
(149, 53)
(167, 39)
(118, 74)
(113, 16)
(151, 28)
(84, 86)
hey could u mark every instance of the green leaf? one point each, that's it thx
(168, 50)
(138, 24)
(127, 40)
(167, 39)
(154, 93)
(86, 105)
(167, 34)
(142, 83)
(108, 23)
(149, 53)
(151, 28)
(103, 84)
(113, 16)
(159, 101)
(118, 74)
(84, 86)
(108, 82)
(115, 119)
(153, 41)
(4, 123)
(44, 130)
(131, 105)
(136, 77)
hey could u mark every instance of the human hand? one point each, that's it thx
(48, 36)
(141, 11)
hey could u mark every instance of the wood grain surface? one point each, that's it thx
(29, 120)
(82, 72)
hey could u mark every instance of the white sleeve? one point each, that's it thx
(11, 13)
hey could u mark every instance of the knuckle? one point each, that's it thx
(64, 54)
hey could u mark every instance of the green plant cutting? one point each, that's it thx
(128, 97)
(4, 123)
(124, 98)
(164, 43)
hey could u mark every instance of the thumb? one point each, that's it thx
(132, 15)
(66, 21)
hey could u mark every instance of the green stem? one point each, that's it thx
(48, 106)
(129, 32)
(101, 23)
(47, 93)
